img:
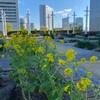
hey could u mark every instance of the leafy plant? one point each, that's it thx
(86, 44)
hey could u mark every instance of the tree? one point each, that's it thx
(9, 27)
(78, 29)
(24, 30)
(43, 28)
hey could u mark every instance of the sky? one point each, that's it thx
(61, 9)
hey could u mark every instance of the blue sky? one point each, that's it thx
(61, 8)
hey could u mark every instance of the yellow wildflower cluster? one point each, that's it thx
(83, 84)
(61, 41)
(93, 59)
(89, 74)
(60, 53)
(68, 71)
(83, 60)
(41, 50)
(48, 38)
(3, 56)
(50, 57)
(67, 89)
(70, 54)
(7, 44)
(62, 62)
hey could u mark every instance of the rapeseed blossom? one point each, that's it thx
(68, 71)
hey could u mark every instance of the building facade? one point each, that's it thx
(94, 15)
(10, 7)
(79, 22)
(65, 23)
(23, 23)
(32, 26)
(46, 16)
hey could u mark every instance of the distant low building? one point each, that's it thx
(23, 23)
(32, 26)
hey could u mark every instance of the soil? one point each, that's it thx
(17, 95)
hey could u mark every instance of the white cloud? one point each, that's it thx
(21, 16)
(63, 12)
(67, 10)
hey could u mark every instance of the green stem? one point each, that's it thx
(24, 95)
(53, 83)
(29, 96)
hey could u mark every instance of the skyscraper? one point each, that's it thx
(65, 23)
(10, 7)
(46, 16)
(94, 15)
(79, 22)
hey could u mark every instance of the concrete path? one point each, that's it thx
(94, 68)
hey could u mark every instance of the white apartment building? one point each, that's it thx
(46, 16)
(94, 15)
(79, 21)
(10, 7)
(65, 23)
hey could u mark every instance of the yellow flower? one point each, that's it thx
(68, 71)
(89, 74)
(10, 50)
(3, 56)
(81, 86)
(7, 44)
(96, 90)
(40, 90)
(62, 62)
(61, 41)
(1, 46)
(76, 64)
(60, 53)
(50, 57)
(21, 71)
(92, 85)
(48, 38)
(70, 54)
(44, 67)
(76, 69)
(83, 60)
(93, 59)
(86, 81)
(41, 50)
(67, 88)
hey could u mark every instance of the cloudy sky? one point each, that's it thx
(61, 8)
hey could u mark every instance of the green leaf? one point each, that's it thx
(30, 87)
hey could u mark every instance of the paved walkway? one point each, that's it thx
(94, 68)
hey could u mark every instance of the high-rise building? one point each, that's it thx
(23, 23)
(10, 7)
(46, 16)
(65, 23)
(79, 22)
(94, 15)
(32, 26)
